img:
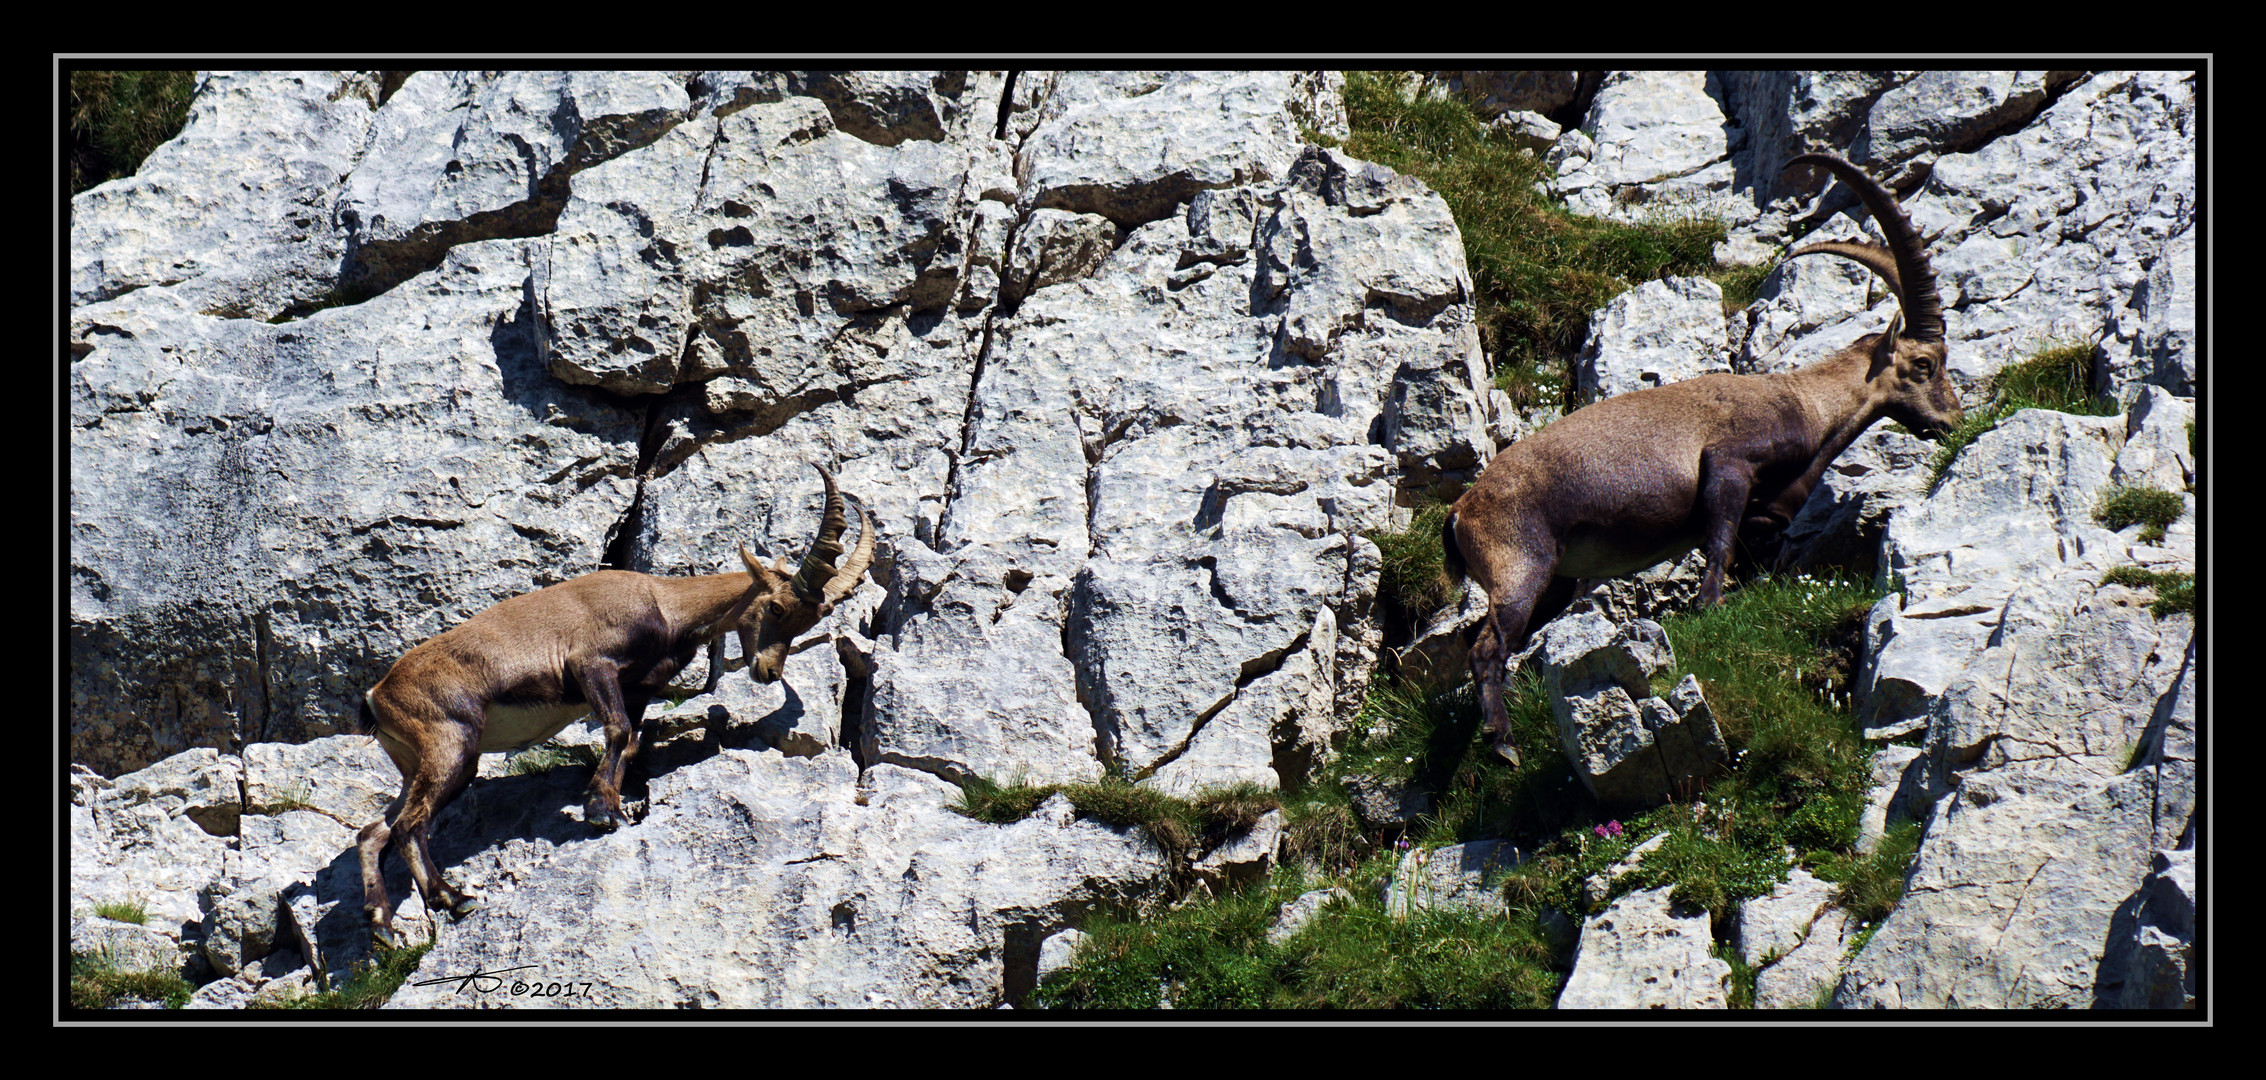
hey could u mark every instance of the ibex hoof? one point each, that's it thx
(601, 819)
(1508, 752)
(384, 937)
(463, 907)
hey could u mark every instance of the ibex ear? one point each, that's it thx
(754, 568)
(1884, 350)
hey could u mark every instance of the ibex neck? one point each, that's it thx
(704, 606)
(1838, 399)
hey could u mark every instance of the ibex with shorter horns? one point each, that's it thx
(604, 643)
(1638, 479)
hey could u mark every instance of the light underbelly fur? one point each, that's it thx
(510, 727)
(1594, 556)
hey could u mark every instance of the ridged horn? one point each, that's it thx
(1914, 278)
(818, 566)
(846, 582)
(1874, 257)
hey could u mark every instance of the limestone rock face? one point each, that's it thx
(1120, 368)
(1117, 366)
(1629, 747)
(2059, 727)
(1644, 953)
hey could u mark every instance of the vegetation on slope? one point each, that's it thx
(1537, 270)
(118, 117)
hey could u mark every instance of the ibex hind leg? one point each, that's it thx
(377, 904)
(446, 763)
(1528, 602)
(378, 836)
(1500, 634)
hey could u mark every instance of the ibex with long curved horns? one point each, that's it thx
(1638, 479)
(604, 643)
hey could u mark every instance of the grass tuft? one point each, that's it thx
(1214, 955)
(371, 985)
(97, 982)
(548, 755)
(118, 117)
(2152, 508)
(1742, 285)
(298, 796)
(1174, 825)
(2056, 377)
(1415, 576)
(2175, 590)
(1871, 884)
(125, 911)
(1538, 271)
(1742, 985)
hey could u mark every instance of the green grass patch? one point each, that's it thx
(1741, 991)
(125, 911)
(371, 985)
(548, 755)
(2193, 454)
(1779, 693)
(1213, 954)
(118, 117)
(97, 982)
(1775, 662)
(2056, 377)
(2151, 508)
(1857, 943)
(2175, 590)
(1415, 577)
(1424, 731)
(1873, 883)
(1174, 825)
(1742, 285)
(1709, 859)
(1538, 271)
(1321, 830)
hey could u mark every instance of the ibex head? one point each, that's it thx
(782, 605)
(1908, 380)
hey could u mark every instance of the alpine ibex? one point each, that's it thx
(606, 642)
(1638, 479)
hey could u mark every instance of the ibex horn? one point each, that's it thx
(846, 582)
(1913, 278)
(818, 566)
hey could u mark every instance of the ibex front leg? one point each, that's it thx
(1725, 479)
(601, 683)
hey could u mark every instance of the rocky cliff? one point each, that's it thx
(1123, 365)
